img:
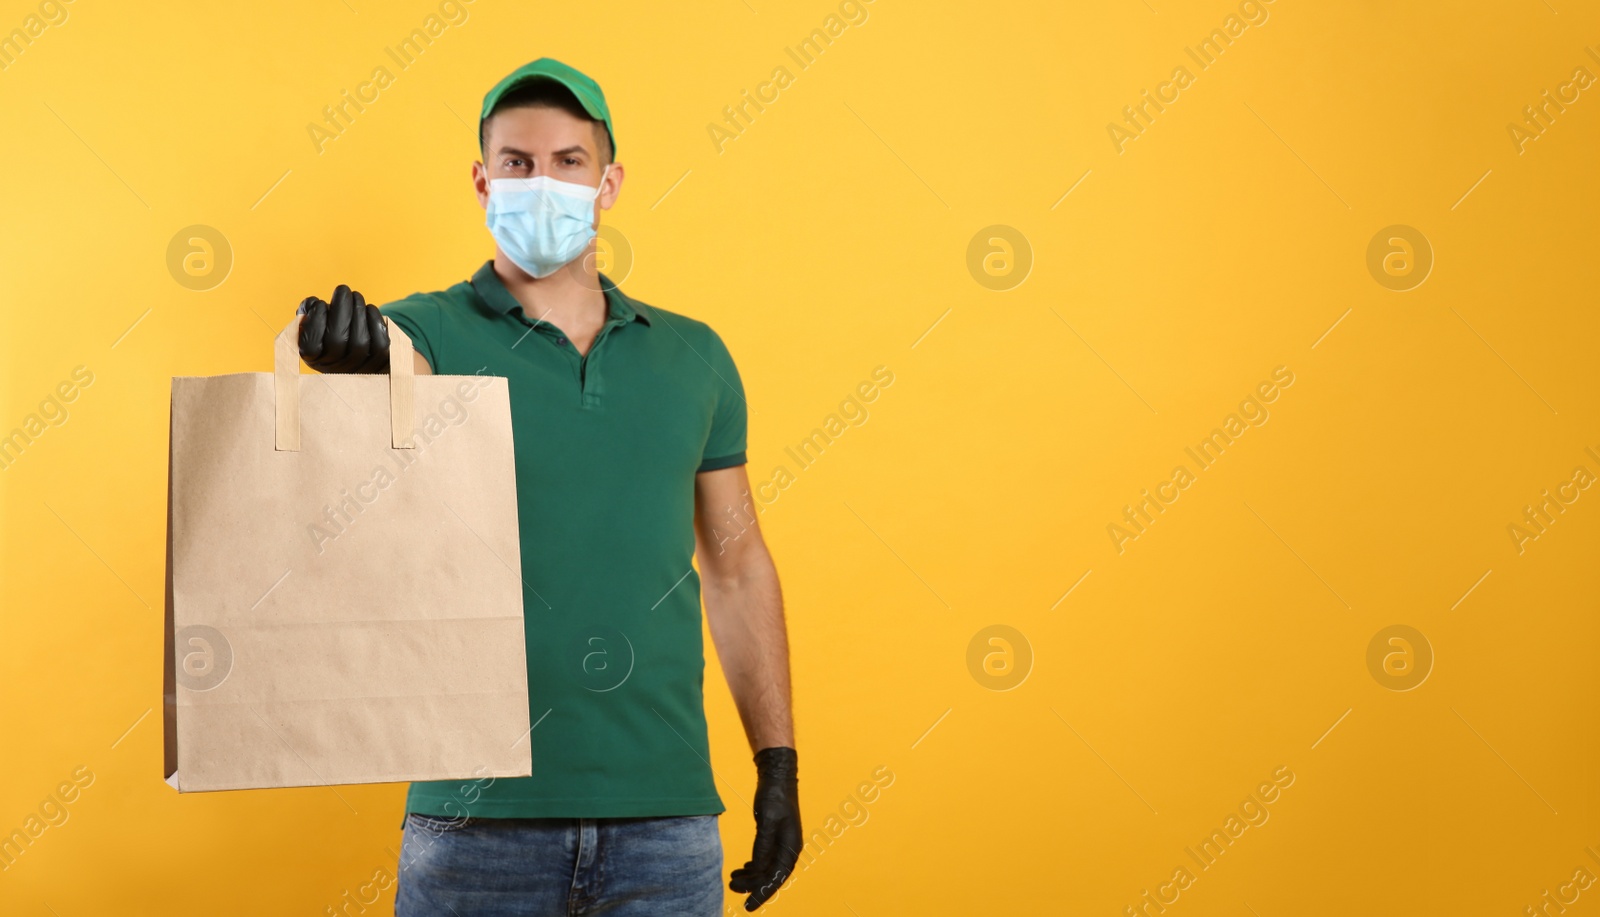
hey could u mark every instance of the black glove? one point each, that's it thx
(778, 834)
(346, 336)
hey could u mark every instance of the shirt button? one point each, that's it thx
(561, 341)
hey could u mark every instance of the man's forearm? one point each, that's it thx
(744, 609)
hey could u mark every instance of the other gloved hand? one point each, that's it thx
(345, 335)
(778, 834)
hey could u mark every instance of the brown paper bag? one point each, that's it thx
(344, 589)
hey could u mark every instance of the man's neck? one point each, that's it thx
(569, 299)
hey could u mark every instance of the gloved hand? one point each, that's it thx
(345, 336)
(778, 834)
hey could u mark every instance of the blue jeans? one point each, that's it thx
(559, 867)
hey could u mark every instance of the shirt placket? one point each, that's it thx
(559, 341)
(591, 384)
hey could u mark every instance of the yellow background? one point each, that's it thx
(825, 241)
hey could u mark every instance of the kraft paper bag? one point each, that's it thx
(344, 588)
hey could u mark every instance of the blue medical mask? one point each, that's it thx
(541, 223)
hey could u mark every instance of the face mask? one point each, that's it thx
(541, 223)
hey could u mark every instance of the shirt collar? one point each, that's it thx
(492, 293)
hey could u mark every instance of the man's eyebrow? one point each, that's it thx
(566, 151)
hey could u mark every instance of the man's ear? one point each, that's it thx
(612, 188)
(480, 184)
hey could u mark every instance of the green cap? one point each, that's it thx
(586, 91)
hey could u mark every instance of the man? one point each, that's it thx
(629, 423)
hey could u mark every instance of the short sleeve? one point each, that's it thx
(725, 446)
(418, 317)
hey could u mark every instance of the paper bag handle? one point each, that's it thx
(286, 386)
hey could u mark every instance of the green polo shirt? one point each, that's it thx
(607, 448)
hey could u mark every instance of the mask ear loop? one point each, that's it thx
(597, 189)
